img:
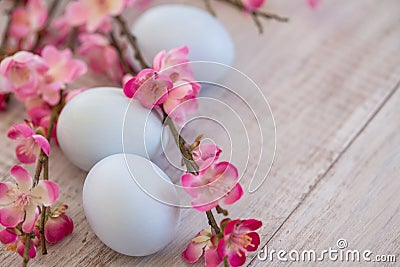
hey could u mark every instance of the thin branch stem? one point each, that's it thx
(220, 210)
(6, 29)
(191, 165)
(132, 41)
(182, 145)
(71, 39)
(125, 66)
(257, 21)
(212, 222)
(209, 7)
(41, 33)
(54, 116)
(41, 230)
(26, 250)
(256, 14)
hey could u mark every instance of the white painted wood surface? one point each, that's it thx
(331, 77)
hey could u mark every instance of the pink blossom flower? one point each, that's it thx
(22, 200)
(239, 238)
(58, 225)
(23, 72)
(252, 5)
(93, 12)
(62, 70)
(204, 243)
(217, 183)
(174, 64)
(29, 143)
(313, 3)
(27, 21)
(182, 100)
(100, 55)
(204, 153)
(14, 241)
(62, 67)
(148, 87)
(182, 97)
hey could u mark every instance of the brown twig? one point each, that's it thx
(54, 116)
(127, 68)
(210, 8)
(256, 14)
(71, 39)
(212, 222)
(132, 41)
(26, 250)
(6, 29)
(220, 210)
(41, 33)
(191, 165)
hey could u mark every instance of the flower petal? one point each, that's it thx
(212, 258)
(31, 215)
(23, 178)
(23, 155)
(20, 130)
(203, 206)
(42, 142)
(21, 248)
(230, 226)
(10, 216)
(57, 228)
(193, 252)
(234, 195)
(47, 192)
(7, 236)
(4, 197)
(188, 183)
(255, 241)
(250, 225)
(236, 259)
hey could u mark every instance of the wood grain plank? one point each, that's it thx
(357, 200)
(325, 74)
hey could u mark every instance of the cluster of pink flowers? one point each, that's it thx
(217, 183)
(169, 86)
(21, 205)
(26, 22)
(38, 80)
(237, 237)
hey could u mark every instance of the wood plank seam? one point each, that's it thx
(332, 164)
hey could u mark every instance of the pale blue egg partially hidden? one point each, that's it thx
(168, 26)
(101, 122)
(123, 216)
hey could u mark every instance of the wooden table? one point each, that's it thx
(332, 77)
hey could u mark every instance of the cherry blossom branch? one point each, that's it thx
(126, 67)
(71, 39)
(210, 8)
(41, 33)
(256, 14)
(26, 250)
(132, 40)
(192, 167)
(43, 163)
(212, 222)
(181, 143)
(6, 29)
